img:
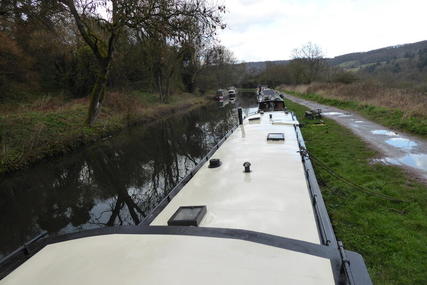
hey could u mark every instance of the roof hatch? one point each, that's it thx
(276, 137)
(187, 216)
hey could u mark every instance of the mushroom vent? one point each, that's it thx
(188, 216)
(214, 163)
(276, 137)
(247, 166)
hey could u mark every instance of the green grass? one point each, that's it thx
(246, 89)
(392, 118)
(146, 97)
(391, 236)
(31, 132)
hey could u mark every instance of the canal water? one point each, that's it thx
(117, 181)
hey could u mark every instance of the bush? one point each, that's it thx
(345, 77)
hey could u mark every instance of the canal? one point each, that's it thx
(117, 181)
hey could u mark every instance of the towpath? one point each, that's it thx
(397, 148)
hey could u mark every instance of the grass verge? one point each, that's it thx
(393, 118)
(391, 236)
(49, 127)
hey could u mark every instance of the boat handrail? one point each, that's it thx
(24, 249)
(343, 261)
(165, 201)
(346, 265)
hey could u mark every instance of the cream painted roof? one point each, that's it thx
(160, 259)
(272, 199)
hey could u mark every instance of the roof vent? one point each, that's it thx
(276, 137)
(188, 216)
(214, 163)
(247, 166)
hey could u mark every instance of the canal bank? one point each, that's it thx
(395, 148)
(31, 134)
(377, 210)
(115, 181)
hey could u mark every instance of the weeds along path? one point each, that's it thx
(362, 199)
(396, 148)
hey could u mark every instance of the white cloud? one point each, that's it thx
(271, 29)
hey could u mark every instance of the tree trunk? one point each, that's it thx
(167, 87)
(98, 95)
(160, 84)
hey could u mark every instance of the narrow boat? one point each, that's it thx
(221, 94)
(271, 100)
(250, 213)
(232, 92)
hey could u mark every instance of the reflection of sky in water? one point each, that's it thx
(383, 132)
(336, 114)
(333, 113)
(413, 160)
(249, 111)
(401, 143)
(115, 181)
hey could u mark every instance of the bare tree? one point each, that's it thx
(311, 57)
(102, 22)
(218, 64)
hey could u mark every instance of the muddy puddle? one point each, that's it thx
(402, 143)
(382, 132)
(339, 114)
(396, 148)
(412, 160)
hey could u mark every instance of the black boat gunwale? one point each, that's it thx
(348, 267)
(353, 259)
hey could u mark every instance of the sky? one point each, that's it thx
(271, 29)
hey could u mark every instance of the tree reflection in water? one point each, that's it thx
(115, 182)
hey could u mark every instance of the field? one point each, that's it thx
(385, 219)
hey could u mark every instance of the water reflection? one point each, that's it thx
(115, 182)
(247, 101)
(402, 143)
(384, 133)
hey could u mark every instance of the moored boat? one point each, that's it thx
(221, 94)
(250, 213)
(232, 92)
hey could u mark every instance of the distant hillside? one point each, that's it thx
(259, 66)
(359, 60)
(397, 66)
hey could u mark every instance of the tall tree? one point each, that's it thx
(218, 66)
(311, 57)
(101, 23)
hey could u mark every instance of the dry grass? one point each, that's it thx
(408, 101)
(52, 125)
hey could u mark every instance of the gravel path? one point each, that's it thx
(400, 149)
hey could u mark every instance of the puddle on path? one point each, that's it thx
(333, 113)
(415, 160)
(339, 114)
(384, 132)
(398, 149)
(401, 143)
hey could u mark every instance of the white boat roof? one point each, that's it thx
(162, 259)
(273, 199)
